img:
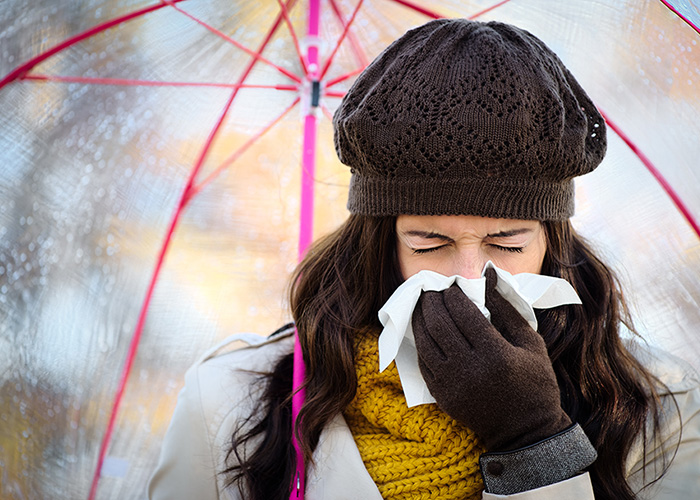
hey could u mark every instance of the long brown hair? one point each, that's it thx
(338, 290)
(603, 387)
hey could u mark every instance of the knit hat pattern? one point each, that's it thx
(463, 117)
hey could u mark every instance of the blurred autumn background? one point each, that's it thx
(92, 171)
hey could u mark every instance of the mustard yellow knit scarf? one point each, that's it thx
(410, 453)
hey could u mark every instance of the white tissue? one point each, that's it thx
(525, 291)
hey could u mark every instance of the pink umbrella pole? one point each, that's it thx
(308, 165)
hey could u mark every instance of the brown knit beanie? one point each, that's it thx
(463, 117)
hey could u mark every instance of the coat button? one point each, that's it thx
(494, 468)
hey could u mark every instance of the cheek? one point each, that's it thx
(411, 263)
(529, 261)
(536, 256)
(406, 264)
(529, 264)
(542, 252)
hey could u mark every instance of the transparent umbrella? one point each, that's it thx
(109, 110)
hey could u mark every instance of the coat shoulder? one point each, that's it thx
(671, 454)
(227, 377)
(676, 374)
(221, 394)
(246, 351)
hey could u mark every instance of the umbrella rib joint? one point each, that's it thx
(311, 91)
(311, 87)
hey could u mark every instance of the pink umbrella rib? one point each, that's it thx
(256, 54)
(335, 93)
(419, 9)
(340, 79)
(27, 66)
(356, 47)
(435, 15)
(675, 11)
(346, 29)
(292, 33)
(488, 9)
(151, 83)
(237, 154)
(327, 112)
(680, 205)
(136, 336)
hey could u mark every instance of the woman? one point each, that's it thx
(463, 139)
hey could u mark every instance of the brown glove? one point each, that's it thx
(496, 379)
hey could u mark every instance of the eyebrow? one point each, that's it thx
(512, 232)
(432, 235)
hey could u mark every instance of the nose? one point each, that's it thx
(468, 263)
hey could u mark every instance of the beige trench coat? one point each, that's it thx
(219, 393)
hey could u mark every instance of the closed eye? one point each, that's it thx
(426, 250)
(508, 249)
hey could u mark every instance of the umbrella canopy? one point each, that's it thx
(110, 111)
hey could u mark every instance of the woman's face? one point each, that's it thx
(463, 244)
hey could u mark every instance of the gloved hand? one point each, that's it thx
(496, 379)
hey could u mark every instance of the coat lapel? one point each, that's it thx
(338, 472)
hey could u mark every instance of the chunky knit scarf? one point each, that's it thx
(410, 453)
